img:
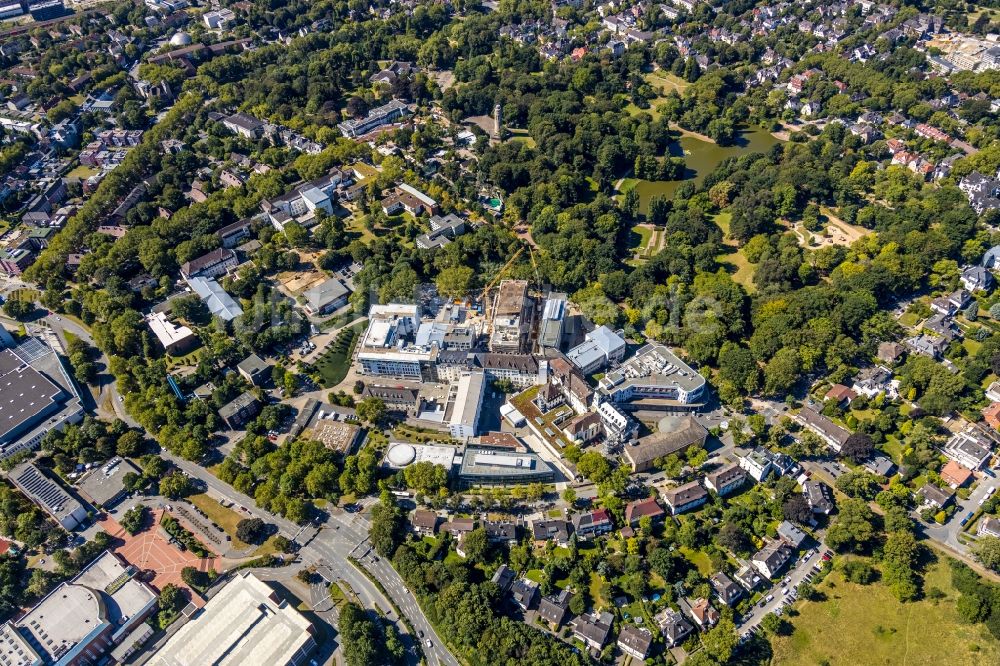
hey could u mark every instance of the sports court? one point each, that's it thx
(149, 550)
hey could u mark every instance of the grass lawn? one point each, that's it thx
(739, 268)
(522, 136)
(667, 81)
(627, 184)
(909, 319)
(83, 172)
(28, 295)
(866, 620)
(222, 516)
(596, 583)
(723, 220)
(893, 448)
(334, 363)
(699, 559)
(536, 575)
(640, 238)
(971, 346)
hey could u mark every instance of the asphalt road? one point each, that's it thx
(329, 545)
(339, 538)
(948, 533)
(801, 569)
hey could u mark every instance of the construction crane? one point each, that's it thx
(538, 280)
(486, 292)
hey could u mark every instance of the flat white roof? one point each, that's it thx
(401, 454)
(244, 624)
(418, 194)
(165, 331)
(314, 196)
(469, 398)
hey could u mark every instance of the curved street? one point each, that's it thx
(327, 547)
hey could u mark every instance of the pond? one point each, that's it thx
(701, 158)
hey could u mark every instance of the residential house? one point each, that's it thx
(503, 577)
(817, 495)
(828, 431)
(943, 326)
(639, 509)
(757, 464)
(424, 522)
(928, 345)
(991, 415)
(458, 526)
(879, 464)
(983, 192)
(635, 641)
(772, 558)
(993, 391)
(703, 613)
(554, 608)
(591, 524)
(874, 380)
(525, 593)
(840, 395)
(988, 526)
(726, 479)
(501, 533)
(748, 576)
(931, 495)
(890, 352)
(955, 475)
(685, 497)
(593, 629)
(727, 591)
(977, 278)
(791, 534)
(556, 531)
(674, 627)
(969, 449)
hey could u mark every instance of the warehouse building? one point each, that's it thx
(246, 623)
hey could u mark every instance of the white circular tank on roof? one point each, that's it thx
(180, 39)
(401, 455)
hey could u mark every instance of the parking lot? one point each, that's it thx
(785, 592)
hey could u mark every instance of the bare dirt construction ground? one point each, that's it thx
(297, 281)
(837, 232)
(444, 78)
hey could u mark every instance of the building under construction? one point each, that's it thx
(513, 310)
